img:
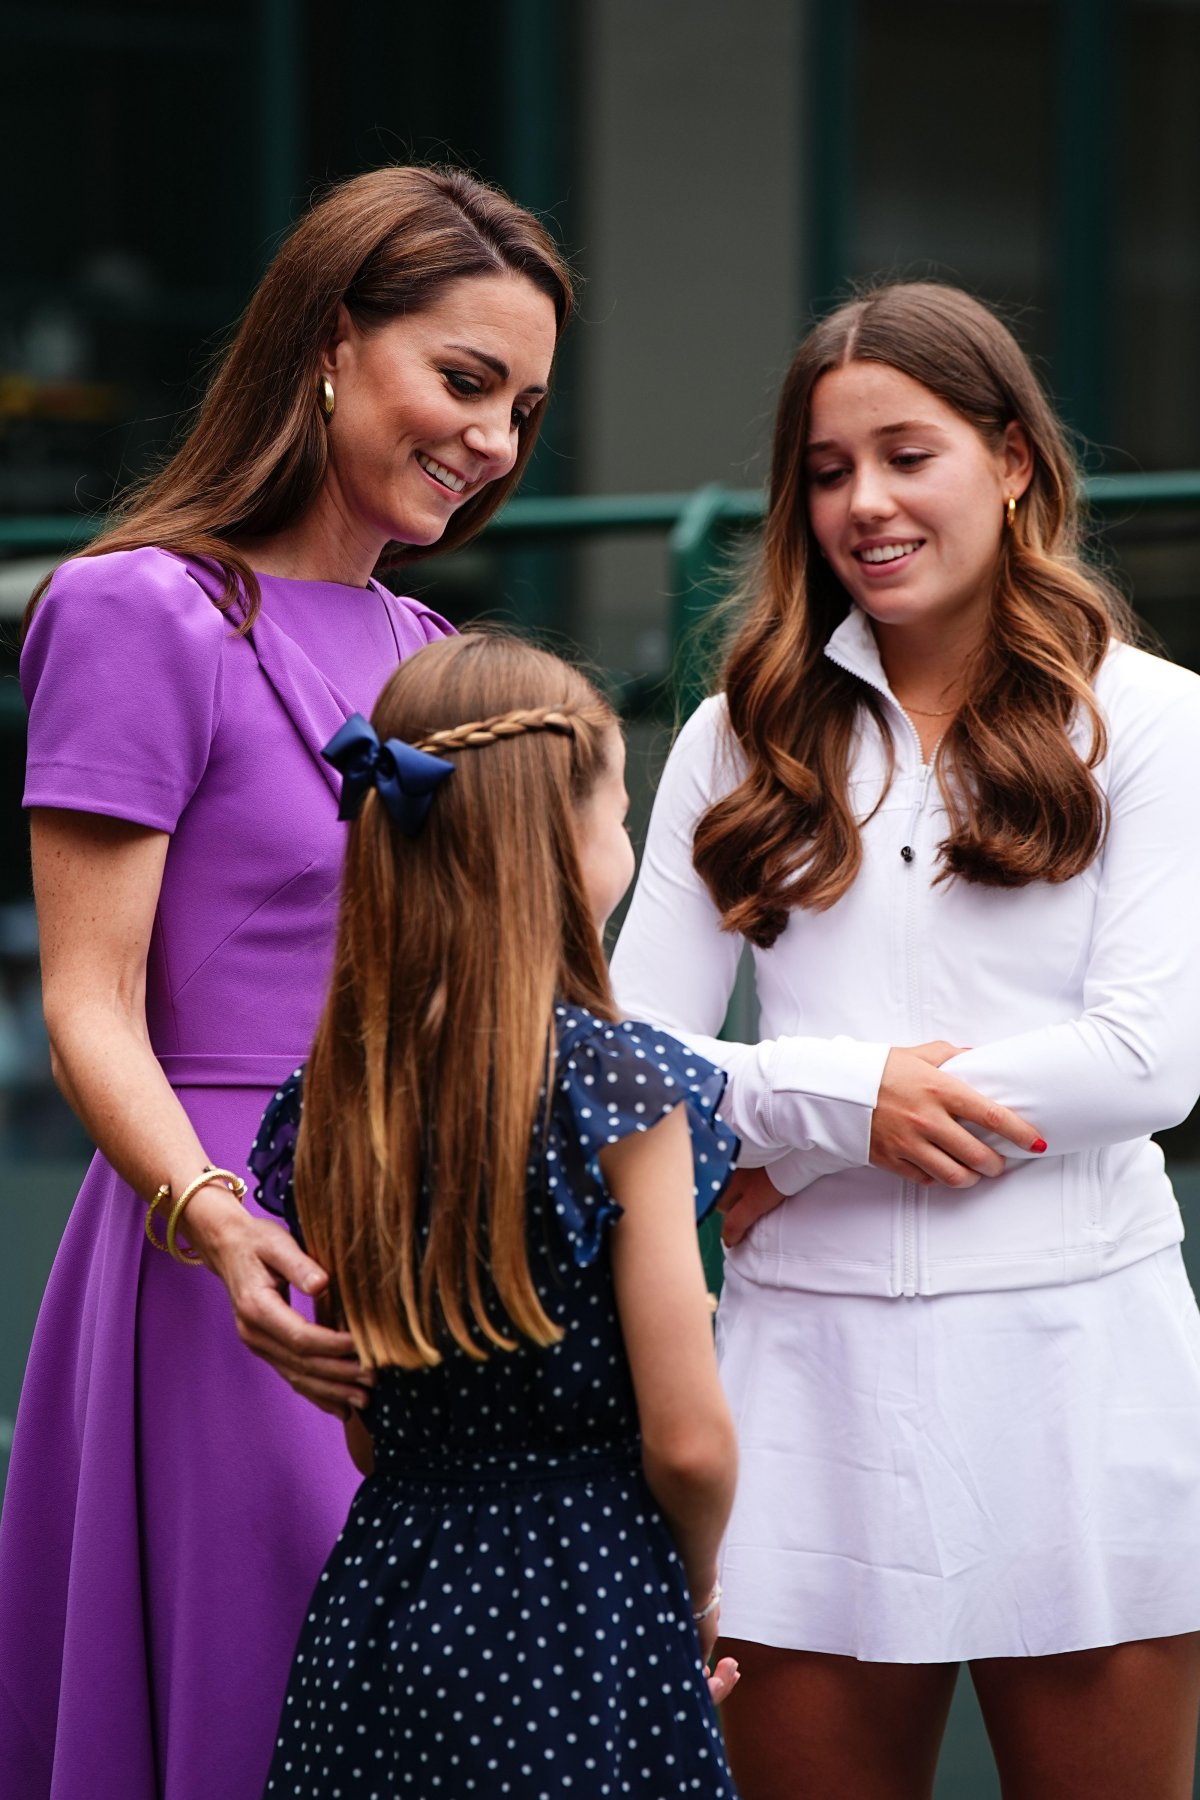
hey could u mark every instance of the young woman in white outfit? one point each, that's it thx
(956, 816)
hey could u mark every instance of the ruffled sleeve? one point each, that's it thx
(274, 1150)
(610, 1081)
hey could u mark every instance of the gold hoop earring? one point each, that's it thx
(1010, 512)
(326, 396)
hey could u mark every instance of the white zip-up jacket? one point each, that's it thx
(1080, 1002)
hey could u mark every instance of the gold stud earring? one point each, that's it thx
(1010, 511)
(326, 396)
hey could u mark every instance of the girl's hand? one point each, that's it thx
(258, 1260)
(750, 1194)
(915, 1129)
(723, 1679)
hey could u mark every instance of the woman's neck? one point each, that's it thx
(322, 545)
(926, 668)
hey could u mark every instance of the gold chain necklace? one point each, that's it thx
(923, 712)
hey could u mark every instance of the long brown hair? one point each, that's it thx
(1023, 805)
(421, 1092)
(384, 244)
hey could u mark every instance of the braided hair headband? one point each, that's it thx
(406, 776)
(503, 725)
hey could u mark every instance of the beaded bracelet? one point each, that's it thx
(710, 1606)
(162, 1195)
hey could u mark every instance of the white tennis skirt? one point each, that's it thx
(933, 1480)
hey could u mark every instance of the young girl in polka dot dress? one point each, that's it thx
(503, 1182)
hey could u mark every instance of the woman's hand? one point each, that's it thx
(258, 1260)
(915, 1128)
(750, 1194)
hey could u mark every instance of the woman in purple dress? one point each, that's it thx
(170, 1500)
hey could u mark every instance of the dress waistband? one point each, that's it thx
(190, 1069)
(524, 1467)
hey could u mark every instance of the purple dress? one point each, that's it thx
(170, 1500)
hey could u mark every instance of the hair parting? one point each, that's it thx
(1022, 802)
(421, 1092)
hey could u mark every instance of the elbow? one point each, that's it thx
(60, 1011)
(1170, 1083)
(62, 1031)
(84, 1031)
(1175, 1095)
(58, 1061)
(698, 1458)
(1153, 1076)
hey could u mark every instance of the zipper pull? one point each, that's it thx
(908, 854)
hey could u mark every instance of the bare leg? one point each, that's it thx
(804, 1726)
(1111, 1724)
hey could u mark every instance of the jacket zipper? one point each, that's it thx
(909, 1194)
(908, 1189)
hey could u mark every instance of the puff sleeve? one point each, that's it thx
(610, 1081)
(122, 675)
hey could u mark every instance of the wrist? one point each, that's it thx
(704, 1607)
(207, 1223)
(215, 1219)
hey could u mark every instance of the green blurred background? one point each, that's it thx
(716, 172)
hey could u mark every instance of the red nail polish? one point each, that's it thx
(1038, 1145)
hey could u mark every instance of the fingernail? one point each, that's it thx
(1038, 1145)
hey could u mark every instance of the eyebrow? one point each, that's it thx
(498, 368)
(880, 431)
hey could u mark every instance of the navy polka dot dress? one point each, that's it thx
(505, 1612)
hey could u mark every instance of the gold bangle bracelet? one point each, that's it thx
(227, 1178)
(161, 1196)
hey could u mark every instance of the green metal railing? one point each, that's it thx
(699, 526)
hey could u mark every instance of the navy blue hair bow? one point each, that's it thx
(405, 778)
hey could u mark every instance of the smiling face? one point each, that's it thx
(906, 499)
(428, 408)
(601, 840)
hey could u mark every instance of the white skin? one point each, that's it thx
(449, 387)
(893, 467)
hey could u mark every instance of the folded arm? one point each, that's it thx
(803, 1106)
